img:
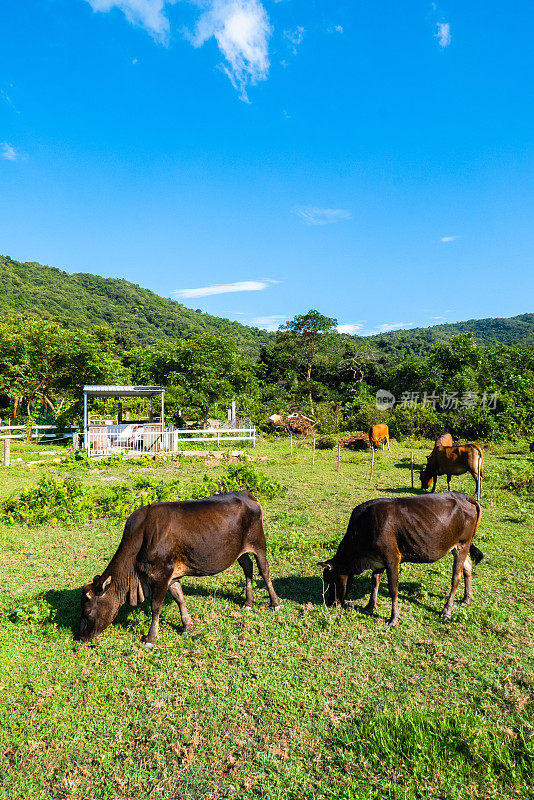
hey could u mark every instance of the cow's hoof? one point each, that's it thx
(277, 608)
(247, 608)
(185, 632)
(465, 602)
(368, 610)
(392, 622)
(147, 645)
(445, 616)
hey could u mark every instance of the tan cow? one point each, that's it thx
(378, 434)
(453, 461)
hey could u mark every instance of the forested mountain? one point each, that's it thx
(141, 317)
(81, 300)
(416, 341)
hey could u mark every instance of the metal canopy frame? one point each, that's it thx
(121, 391)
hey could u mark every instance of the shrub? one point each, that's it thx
(326, 443)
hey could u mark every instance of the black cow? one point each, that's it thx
(165, 541)
(384, 532)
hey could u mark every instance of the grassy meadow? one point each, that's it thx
(306, 702)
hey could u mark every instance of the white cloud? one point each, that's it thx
(335, 29)
(8, 152)
(312, 215)
(149, 14)
(392, 326)
(350, 327)
(448, 238)
(241, 29)
(271, 322)
(295, 37)
(444, 34)
(224, 288)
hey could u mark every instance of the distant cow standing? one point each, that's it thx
(165, 541)
(378, 434)
(382, 533)
(453, 461)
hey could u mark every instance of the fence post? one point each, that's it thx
(313, 451)
(372, 462)
(7, 452)
(254, 436)
(338, 455)
(75, 441)
(411, 465)
(291, 442)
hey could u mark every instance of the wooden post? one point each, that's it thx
(372, 461)
(411, 465)
(338, 455)
(291, 442)
(7, 452)
(313, 451)
(75, 441)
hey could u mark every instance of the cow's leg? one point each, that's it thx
(468, 596)
(388, 444)
(375, 583)
(392, 570)
(263, 567)
(449, 482)
(158, 596)
(245, 562)
(435, 481)
(460, 554)
(177, 593)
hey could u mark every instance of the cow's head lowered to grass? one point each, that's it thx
(99, 608)
(338, 584)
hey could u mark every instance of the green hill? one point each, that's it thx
(415, 341)
(140, 316)
(80, 300)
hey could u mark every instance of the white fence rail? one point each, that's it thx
(144, 439)
(37, 432)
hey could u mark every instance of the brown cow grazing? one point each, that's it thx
(444, 440)
(378, 434)
(165, 541)
(453, 461)
(420, 530)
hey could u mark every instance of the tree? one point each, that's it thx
(310, 335)
(42, 362)
(201, 371)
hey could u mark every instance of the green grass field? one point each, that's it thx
(306, 702)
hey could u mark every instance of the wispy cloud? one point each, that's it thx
(335, 29)
(148, 14)
(224, 288)
(295, 37)
(271, 322)
(312, 215)
(8, 152)
(448, 238)
(443, 34)
(350, 327)
(241, 29)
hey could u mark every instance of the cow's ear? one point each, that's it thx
(88, 593)
(106, 584)
(96, 579)
(325, 564)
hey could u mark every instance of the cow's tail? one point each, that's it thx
(476, 554)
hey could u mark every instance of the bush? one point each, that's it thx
(326, 443)
(329, 417)
(67, 501)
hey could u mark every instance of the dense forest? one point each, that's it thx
(59, 331)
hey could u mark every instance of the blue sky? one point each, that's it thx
(257, 159)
